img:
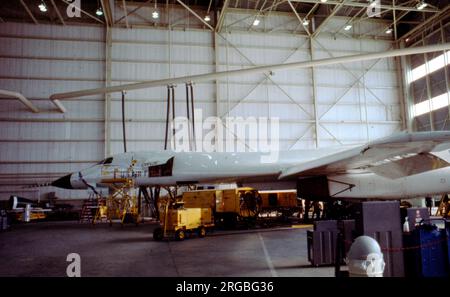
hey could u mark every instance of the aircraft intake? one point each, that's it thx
(313, 188)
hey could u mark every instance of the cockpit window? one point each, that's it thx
(106, 161)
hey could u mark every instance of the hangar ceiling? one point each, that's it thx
(404, 15)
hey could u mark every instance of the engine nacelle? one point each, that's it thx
(313, 188)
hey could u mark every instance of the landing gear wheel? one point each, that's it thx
(158, 234)
(180, 235)
(201, 232)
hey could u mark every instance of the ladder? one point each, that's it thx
(444, 206)
(89, 209)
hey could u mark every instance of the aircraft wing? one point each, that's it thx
(397, 156)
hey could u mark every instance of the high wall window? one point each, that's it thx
(430, 66)
(429, 79)
(432, 104)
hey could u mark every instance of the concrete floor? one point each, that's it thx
(40, 249)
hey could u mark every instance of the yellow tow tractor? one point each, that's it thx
(178, 221)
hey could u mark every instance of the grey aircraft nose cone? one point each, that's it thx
(63, 182)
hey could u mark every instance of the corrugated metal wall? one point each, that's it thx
(355, 102)
(38, 61)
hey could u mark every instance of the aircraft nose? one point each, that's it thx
(63, 182)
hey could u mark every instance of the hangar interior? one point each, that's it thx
(113, 42)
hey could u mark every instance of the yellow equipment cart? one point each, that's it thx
(179, 221)
(227, 205)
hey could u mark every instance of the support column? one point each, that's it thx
(447, 83)
(107, 98)
(427, 79)
(314, 93)
(403, 82)
(217, 85)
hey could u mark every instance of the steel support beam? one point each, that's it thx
(59, 105)
(107, 12)
(366, 4)
(406, 71)
(357, 80)
(351, 20)
(108, 70)
(299, 18)
(27, 9)
(447, 76)
(254, 70)
(240, 53)
(58, 12)
(21, 98)
(314, 94)
(393, 24)
(260, 11)
(125, 12)
(255, 16)
(222, 15)
(351, 73)
(325, 21)
(301, 137)
(196, 15)
(83, 11)
(428, 21)
(216, 82)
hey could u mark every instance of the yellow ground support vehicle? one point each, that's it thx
(34, 215)
(177, 220)
(228, 205)
(284, 202)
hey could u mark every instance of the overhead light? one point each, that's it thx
(389, 31)
(42, 7)
(348, 27)
(305, 22)
(207, 18)
(421, 5)
(155, 13)
(373, 3)
(256, 22)
(407, 39)
(99, 11)
(323, 1)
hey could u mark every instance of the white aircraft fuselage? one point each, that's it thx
(167, 168)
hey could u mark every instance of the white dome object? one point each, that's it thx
(365, 258)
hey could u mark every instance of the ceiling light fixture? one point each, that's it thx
(99, 11)
(323, 1)
(256, 22)
(373, 3)
(348, 27)
(421, 5)
(389, 31)
(207, 18)
(42, 7)
(305, 22)
(155, 13)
